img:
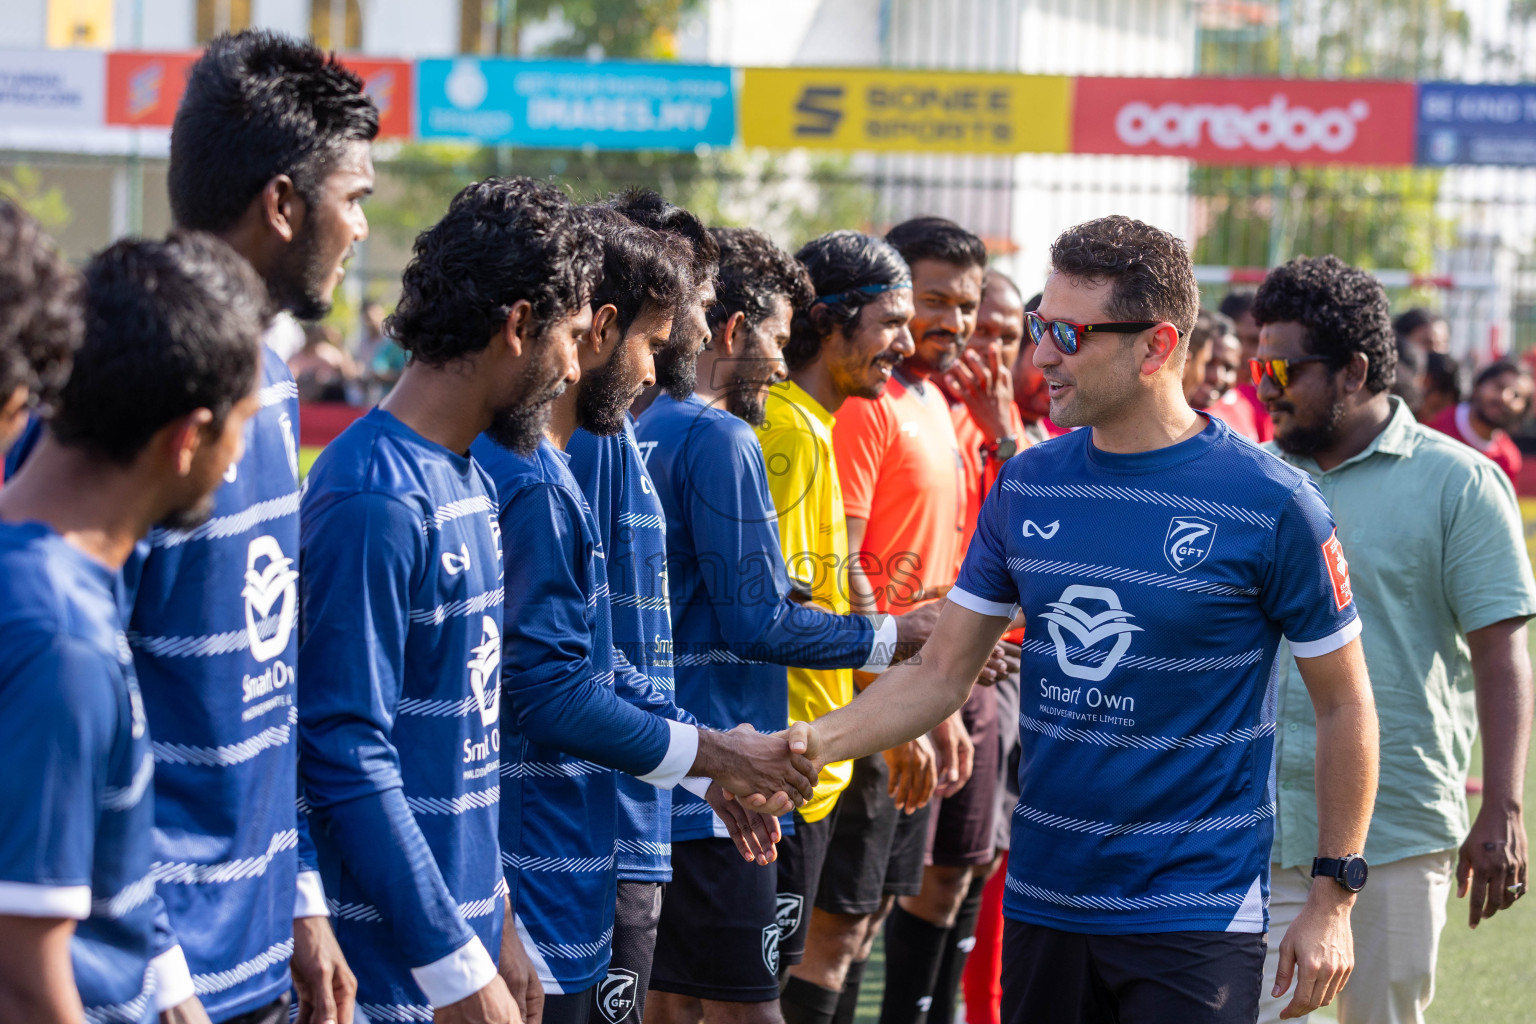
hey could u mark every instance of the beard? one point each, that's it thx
(1313, 438)
(746, 400)
(298, 282)
(677, 370)
(519, 425)
(606, 393)
(191, 517)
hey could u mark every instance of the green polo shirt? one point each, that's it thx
(1432, 532)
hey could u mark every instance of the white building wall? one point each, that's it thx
(290, 17)
(410, 28)
(24, 25)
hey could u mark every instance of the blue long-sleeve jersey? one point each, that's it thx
(212, 615)
(734, 624)
(611, 472)
(398, 724)
(75, 770)
(575, 714)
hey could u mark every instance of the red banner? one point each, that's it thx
(1247, 121)
(144, 89)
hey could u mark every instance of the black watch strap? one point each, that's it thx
(1350, 870)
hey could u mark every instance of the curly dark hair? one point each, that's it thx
(648, 209)
(641, 268)
(1150, 269)
(41, 321)
(1411, 320)
(753, 273)
(935, 238)
(170, 327)
(502, 240)
(840, 263)
(259, 104)
(1342, 308)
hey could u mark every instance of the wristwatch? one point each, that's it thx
(1350, 870)
(1002, 449)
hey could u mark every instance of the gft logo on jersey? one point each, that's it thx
(485, 671)
(771, 947)
(270, 582)
(616, 994)
(1089, 628)
(1188, 542)
(786, 911)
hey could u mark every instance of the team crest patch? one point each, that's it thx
(771, 948)
(616, 994)
(1188, 542)
(786, 911)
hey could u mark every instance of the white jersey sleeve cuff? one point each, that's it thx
(682, 751)
(884, 647)
(456, 976)
(696, 785)
(27, 899)
(1328, 644)
(980, 605)
(309, 896)
(173, 979)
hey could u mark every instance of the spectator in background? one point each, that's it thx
(1439, 573)
(1501, 396)
(1439, 386)
(1410, 371)
(1236, 307)
(370, 333)
(1219, 396)
(321, 368)
(1030, 393)
(1423, 330)
(40, 322)
(1199, 355)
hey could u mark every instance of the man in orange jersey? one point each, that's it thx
(904, 493)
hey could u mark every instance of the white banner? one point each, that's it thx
(53, 88)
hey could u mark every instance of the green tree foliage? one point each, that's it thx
(23, 185)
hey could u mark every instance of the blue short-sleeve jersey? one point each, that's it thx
(734, 623)
(75, 769)
(398, 731)
(612, 474)
(1156, 588)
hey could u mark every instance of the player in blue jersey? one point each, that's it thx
(736, 624)
(575, 704)
(403, 591)
(269, 151)
(1157, 560)
(153, 413)
(39, 320)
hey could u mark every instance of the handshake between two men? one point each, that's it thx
(756, 777)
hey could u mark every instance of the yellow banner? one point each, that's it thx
(83, 23)
(911, 111)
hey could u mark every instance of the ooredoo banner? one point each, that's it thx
(1247, 121)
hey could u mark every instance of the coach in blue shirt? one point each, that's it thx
(1173, 557)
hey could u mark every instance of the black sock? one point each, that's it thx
(913, 949)
(803, 1002)
(962, 936)
(848, 999)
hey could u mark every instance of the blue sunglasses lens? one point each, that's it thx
(1066, 336)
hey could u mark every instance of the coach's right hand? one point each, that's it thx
(491, 1005)
(758, 768)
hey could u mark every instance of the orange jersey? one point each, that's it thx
(900, 467)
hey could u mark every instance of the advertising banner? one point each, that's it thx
(1247, 121)
(911, 111)
(144, 89)
(573, 104)
(55, 89)
(1477, 124)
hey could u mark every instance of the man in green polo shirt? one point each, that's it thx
(1440, 576)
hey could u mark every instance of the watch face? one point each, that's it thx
(1007, 448)
(1355, 872)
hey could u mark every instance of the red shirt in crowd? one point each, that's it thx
(1262, 424)
(1456, 421)
(1235, 411)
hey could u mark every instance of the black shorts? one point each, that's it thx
(962, 827)
(620, 997)
(1161, 978)
(876, 850)
(275, 1012)
(1007, 691)
(568, 1007)
(801, 857)
(719, 935)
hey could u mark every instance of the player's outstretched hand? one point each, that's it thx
(518, 972)
(326, 986)
(754, 834)
(493, 1004)
(914, 774)
(759, 768)
(1318, 951)
(1003, 661)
